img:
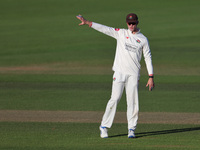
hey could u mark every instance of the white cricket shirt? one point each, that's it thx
(129, 49)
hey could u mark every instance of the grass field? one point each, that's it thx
(48, 62)
(48, 136)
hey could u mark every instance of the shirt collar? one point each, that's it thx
(136, 32)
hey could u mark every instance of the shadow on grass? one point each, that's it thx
(143, 134)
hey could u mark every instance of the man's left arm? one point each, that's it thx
(149, 65)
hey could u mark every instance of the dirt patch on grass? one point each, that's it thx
(78, 67)
(58, 68)
(95, 117)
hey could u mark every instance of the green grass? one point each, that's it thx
(35, 32)
(91, 92)
(86, 136)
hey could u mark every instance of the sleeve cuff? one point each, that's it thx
(90, 24)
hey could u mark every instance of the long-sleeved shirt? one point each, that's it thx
(129, 49)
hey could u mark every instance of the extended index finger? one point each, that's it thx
(79, 16)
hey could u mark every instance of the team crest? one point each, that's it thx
(117, 29)
(114, 79)
(138, 41)
(131, 17)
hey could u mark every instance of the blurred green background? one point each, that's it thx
(48, 62)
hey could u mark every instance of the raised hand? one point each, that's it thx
(83, 20)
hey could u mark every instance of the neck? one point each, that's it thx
(135, 31)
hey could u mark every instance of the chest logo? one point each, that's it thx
(138, 41)
(127, 37)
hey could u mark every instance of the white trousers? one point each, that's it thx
(130, 83)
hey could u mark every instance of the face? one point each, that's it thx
(132, 27)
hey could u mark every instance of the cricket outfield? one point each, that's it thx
(56, 77)
(95, 117)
